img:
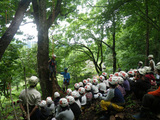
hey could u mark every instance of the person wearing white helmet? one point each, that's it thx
(156, 72)
(56, 98)
(150, 102)
(114, 98)
(83, 99)
(117, 74)
(111, 75)
(120, 86)
(74, 107)
(131, 74)
(85, 82)
(151, 62)
(105, 79)
(52, 66)
(95, 88)
(80, 84)
(89, 94)
(51, 107)
(150, 75)
(34, 98)
(101, 85)
(63, 112)
(76, 96)
(76, 87)
(89, 80)
(126, 83)
(142, 85)
(44, 111)
(69, 92)
(140, 65)
(105, 75)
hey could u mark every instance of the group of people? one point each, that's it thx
(108, 90)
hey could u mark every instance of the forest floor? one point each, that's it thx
(132, 107)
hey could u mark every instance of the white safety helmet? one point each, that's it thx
(33, 80)
(80, 84)
(87, 88)
(71, 100)
(123, 74)
(113, 80)
(43, 103)
(104, 74)
(95, 81)
(117, 74)
(76, 85)
(81, 90)
(85, 81)
(75, 94)
(54, 55)
(56, 94)
(158, 66)
(150, 56)
(63, 102)
(111, 75)
(135, 71)
(90, 84)
(131, 72)
(94, 77)
(142, 71)
(120, 80)
(69, 91)
(147, 69)
(89, 80)
(49, 100)
(140, 62)
(101, 78)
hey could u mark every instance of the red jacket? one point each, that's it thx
(156, 92)
(151, 78)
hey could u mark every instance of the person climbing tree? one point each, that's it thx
(52, 66)
(66, 80)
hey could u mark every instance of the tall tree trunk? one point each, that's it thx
(147, 33)
(42, 59)
(114, 41)
(43, 24)
(11, 31)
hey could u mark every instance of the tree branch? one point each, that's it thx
(54, 14)
(11, 31)
(148, 18)
(96, 5)
(36, 11)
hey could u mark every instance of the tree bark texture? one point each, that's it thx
(147, 34)
(43, 24)
(113, 48)
(11, 31)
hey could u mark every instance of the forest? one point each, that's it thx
(87, 36)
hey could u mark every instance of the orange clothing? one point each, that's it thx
(156, 92)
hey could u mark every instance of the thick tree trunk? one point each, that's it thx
(48, 87)
(11, 31)
(114, 41)
(42, 59)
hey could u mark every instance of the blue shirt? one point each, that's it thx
(118, 97)
(66, 76)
